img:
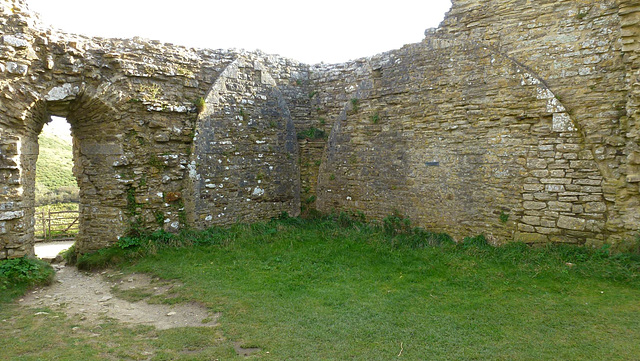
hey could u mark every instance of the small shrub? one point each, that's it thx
(156, 162)
(18, 275)
(159, 217)
(128, 242)
(243, 114)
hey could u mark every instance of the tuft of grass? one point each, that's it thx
(504, 217)
(102, 259)
(355, 105)
(375, 118)
(70, 255)
(200, 105)
(312, 134)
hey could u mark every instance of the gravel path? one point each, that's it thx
(91, 296)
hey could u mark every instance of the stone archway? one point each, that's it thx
(95, 149)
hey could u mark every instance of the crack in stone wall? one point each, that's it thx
(524, 109)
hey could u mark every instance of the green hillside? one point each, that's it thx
(55, 182)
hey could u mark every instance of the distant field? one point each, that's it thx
(55, 182)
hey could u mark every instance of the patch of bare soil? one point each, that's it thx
(121, 297)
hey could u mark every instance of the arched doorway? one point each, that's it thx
(56, 192)
(95, 147)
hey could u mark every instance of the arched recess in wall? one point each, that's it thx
(244, 164)
(94, 129)
(460, 140)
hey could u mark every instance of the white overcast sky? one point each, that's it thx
(327, 31)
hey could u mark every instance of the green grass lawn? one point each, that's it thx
(313, 290)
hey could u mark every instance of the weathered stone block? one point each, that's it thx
(560, 206)
(536, 164)
(15, 41)
(5, 216)
(571, 223)
(101, 148)
(63, 92)
(526, 228)
(554, 188)
(595, 207)
(633, 178)
(549, 223)
(555, 180)
(543, 196)
(533, 187)
(17, 68)
(547, 231)
(634, 158)
(534, 205)
(530, 237)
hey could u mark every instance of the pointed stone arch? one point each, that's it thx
(244, 164)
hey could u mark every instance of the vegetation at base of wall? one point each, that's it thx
(342, 287)
(312, 133)
(395, 231)
(70, 255)
(20, 274)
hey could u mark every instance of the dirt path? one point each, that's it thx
(96, 296)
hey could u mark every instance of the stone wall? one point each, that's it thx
(516, 119)
(510, 110)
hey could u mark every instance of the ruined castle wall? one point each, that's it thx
(455, 150)
(132, 109)
(560, 182)
(576, 47)
(516, 119)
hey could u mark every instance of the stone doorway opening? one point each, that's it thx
(95, 146)
(57, 195)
